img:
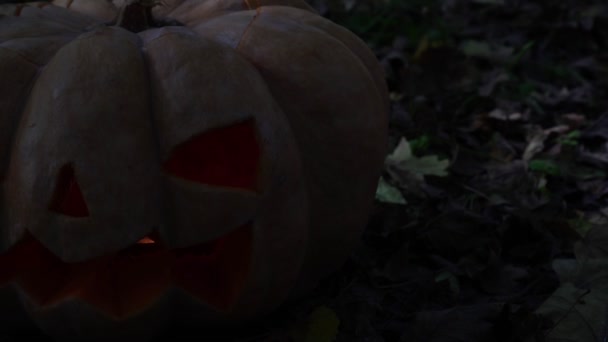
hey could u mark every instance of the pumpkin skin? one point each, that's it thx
(106, 144)
(341, 170)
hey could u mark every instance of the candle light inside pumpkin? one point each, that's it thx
(146, 240)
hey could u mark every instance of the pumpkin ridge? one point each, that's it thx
(20, 7)
(25, 58)
(258, 11)
(250, 6)
(18, 10)
(18, 107)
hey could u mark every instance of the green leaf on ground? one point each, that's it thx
(388, 193)
(547, 167)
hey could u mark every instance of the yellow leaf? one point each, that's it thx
(322, 325)
(423, 46)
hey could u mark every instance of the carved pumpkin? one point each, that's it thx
(203, 172)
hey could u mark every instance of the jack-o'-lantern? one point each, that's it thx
(202, 171)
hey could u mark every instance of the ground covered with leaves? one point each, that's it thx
(491, 219)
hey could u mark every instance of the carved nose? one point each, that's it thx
(67, 198)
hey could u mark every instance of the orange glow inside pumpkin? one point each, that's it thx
(215, 272)
(145, 241)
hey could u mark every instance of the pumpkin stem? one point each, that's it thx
(136, 15)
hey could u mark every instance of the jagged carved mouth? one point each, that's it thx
(127, 282)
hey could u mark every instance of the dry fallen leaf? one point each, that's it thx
(403, 162)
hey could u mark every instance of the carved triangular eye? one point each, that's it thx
(67, 198)
(227, 156)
